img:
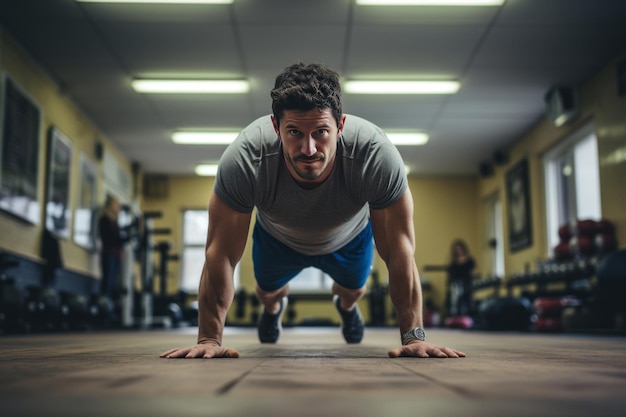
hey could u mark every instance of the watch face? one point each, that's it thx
(414, 334)
(419, 333)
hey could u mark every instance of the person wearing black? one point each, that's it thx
(112, 250)
(461, 272)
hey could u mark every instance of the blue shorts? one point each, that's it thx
(275, 264)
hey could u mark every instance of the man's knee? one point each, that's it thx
(261, 293)
(351, 292)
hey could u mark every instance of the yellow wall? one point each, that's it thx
(600, 104)
(59, 111)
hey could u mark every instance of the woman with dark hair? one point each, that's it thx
(461, 272)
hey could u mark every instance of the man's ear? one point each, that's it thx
(342, 123)
(275, 124)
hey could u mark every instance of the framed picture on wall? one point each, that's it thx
(87, 204)
(59, 164)
(19, 153)
(518, 199)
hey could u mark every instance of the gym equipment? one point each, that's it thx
(583, 245)
(575, 318)
(587, 318)
(101, 311)
(585, 227)
(291, 313)
(506, 313)
(74, 311)
(240, 303)
(137, 306)
(141, 304)
(166, 310)
(10, 305)
(548, 324)
(563, 251)
(10, 298)
(377, 301)
(551, 307)
(255, 303)
(585, 239)
(431, 315)
(459, 322)
(191, 313)
(605, 243)
(549, 311)
(42, 309)
(611, 280)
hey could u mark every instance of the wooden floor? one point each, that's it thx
(311, 372)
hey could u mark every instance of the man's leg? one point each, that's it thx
(270, 326)
(350, 268)
(271, 299)
(348, 297)
(345, 301)
(274, 266)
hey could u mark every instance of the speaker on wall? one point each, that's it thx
(561, 104)
(135, 167)
(99, 151)
(621, 78)
(485, 169)
(500, 157)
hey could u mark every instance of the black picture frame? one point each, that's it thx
(86, 204)
(519, 207)
(59, 166)
(19, 153)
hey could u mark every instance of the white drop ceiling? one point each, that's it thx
(505, 57)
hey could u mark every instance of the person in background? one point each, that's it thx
(325, 186)
(461, 272)
(112, 250)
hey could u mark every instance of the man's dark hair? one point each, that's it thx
(305, 87)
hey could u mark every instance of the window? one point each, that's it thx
(494, 252)
(195, 225)
(572, 182)
(310, 280)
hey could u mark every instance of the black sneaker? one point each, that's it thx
(352, 324)
(270, 325)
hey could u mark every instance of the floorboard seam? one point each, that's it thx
(227, 387)
(463, 392)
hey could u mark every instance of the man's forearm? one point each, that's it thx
(406, 295)
(215, 296)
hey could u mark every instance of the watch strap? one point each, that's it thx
(417, 333)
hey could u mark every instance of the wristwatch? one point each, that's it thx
(414, 334)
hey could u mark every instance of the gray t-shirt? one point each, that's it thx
(368, 173)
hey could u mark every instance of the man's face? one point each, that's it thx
(309, 141)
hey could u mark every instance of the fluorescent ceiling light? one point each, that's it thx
(210, 170)
(204, 138)
(161, 1)
(401, 87)
(430, 2)
(191, 86)
(407, 138)
(206, 170)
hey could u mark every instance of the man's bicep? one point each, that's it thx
(228, 230)
(393, 226)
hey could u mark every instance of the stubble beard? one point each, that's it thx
(308, 172)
